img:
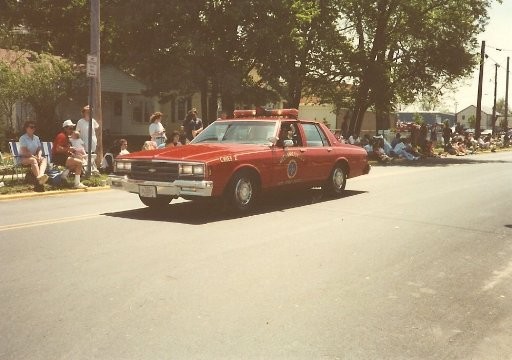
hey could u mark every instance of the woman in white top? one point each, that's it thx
(156, 129)
(31, 153)
(83, 127)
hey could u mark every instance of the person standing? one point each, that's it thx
(192, 125)
(83, 127)
(156, 129)
(31, 154)
(447, 135)
(62, 154)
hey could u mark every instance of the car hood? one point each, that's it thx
(195, 152)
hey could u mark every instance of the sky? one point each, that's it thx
(496, 36)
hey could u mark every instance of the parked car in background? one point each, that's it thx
(238, 159)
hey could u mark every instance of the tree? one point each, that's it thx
(48, 81)
(405, 48)
(11, 89)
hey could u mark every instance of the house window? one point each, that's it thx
(118, 107)
(140, 108)
(463, 117)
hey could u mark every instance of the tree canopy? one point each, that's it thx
(356, 54)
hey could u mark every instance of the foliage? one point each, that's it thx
(352, 53)
(48, 82)
(418, 119)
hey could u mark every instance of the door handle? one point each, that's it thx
(302, 150)
(329, 149)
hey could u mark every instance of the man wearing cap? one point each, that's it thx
(62, 152)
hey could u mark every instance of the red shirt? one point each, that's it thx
(61, 140)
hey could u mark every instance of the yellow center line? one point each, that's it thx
(46, 222)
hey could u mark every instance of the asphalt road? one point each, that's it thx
(414, 263)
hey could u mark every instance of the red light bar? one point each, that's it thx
(260, 112)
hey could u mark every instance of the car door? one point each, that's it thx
(318, 152)
(289, 165)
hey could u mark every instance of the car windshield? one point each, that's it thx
(238, 132)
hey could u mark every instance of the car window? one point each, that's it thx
(314, 136)
(289, 131)
(242, 132)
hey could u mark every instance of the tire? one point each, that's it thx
(335, 184)
(242, 191)
(159, 202)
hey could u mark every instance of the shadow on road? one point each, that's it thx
(204, 212)
(443, 161)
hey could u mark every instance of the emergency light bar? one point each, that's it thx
(260, 112)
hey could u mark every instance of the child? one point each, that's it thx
(78, 145)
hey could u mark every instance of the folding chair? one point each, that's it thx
(6, 167)
(18, 167)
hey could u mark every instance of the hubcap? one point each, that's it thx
(337, 179)
(244, 191)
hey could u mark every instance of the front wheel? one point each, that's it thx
(241, 193)
(156, 203)
(335, 185)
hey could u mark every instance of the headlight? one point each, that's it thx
(123, 166)
(191, 169)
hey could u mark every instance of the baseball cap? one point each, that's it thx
(67, 123)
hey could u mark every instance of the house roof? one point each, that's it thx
(115, 80)
(485, 109)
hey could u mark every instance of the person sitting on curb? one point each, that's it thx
(62, 154)
(401, 150)
(31, 155)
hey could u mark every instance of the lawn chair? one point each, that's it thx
(18, 167)
(6, 167)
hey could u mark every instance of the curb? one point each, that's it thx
(24, 195)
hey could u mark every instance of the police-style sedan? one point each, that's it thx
(238, 159)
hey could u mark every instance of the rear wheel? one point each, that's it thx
(335, 184)
(241, 193)
(158, 202)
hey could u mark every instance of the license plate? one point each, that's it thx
(147, 191)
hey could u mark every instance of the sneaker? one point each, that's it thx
(80, 186)
(42, 179)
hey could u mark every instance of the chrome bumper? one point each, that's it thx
(175, 188)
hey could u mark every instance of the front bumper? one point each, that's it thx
(175, 188)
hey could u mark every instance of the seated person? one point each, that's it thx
(378, 151)
(174, 139)
(401, 150)
(62, 154)
(149, 145)
(31, 154)
(78, 144)
(287, 133)
(107, 163)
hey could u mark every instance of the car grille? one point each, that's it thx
(154, 171)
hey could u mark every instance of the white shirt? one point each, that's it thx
(77, 143)
(83, 127)
(158, 128)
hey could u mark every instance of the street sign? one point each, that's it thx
(92, 66)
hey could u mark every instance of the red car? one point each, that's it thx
(238, 159)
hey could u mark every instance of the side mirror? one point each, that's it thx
(272, 140)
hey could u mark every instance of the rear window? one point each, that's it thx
(314, 136)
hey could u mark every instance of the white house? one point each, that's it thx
(466, 114)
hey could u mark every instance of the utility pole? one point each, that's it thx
(479, 98)
(95, 85)
(495, 92)
(506, 95)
